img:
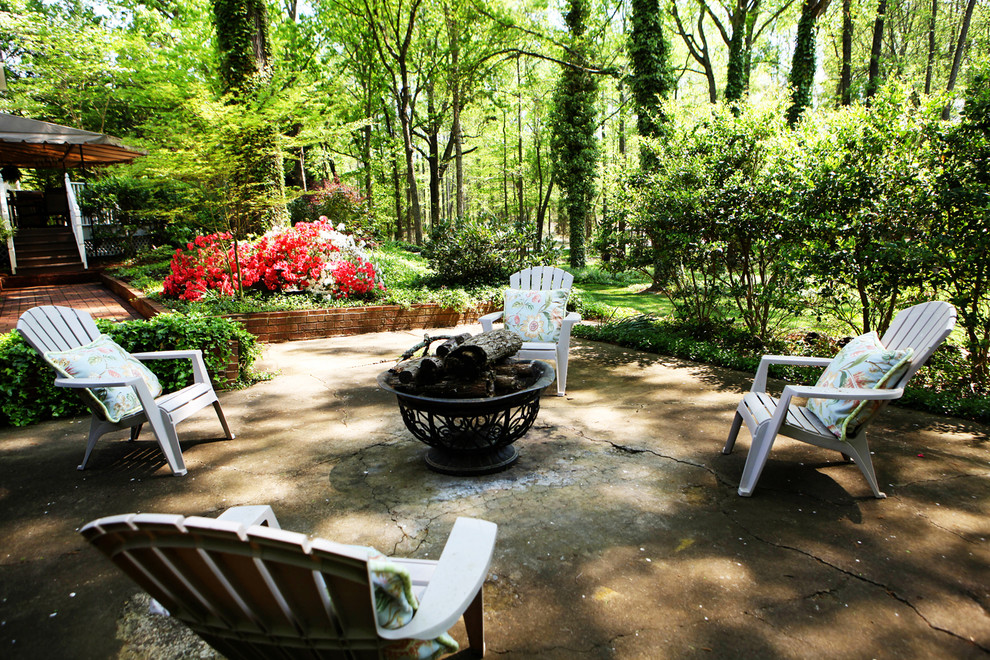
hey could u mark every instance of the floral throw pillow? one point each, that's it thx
(104, 358)
(395, 606)
(536, 315)
(865, 363)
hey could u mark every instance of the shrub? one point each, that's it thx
(338, 202)
(476, 252)
(307, 256)
(940, 387)
(26, 380)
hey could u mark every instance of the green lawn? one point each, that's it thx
(628, 299)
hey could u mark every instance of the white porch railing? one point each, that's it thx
(75, 217)
(5, 218)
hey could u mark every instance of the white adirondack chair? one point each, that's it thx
(922, 327)
(52, 328)
(543, 278)
(255, 591)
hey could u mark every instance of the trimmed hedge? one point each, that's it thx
(940, 387)
(26, 380)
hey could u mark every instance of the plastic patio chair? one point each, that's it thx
(252, 590)
(543, 278)
(922, 327)
(52, 328)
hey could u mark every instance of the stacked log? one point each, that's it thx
(465, 367)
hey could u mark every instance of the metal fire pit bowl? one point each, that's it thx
(472, 436)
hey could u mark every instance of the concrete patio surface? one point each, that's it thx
(620, 531)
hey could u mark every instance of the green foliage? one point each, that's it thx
(26, 381)
(960, 244)
(867, 202)
(478, 252)
(717, 211)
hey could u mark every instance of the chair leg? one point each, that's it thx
(168, 440)
(561, 371)
(860, 453)
(733, 432)
(474, 621)
(223, 420)
(94, 434)
(135, 432)
(763, 439)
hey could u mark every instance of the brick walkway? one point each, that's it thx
(92, 297)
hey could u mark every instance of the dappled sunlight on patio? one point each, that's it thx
(620, 531)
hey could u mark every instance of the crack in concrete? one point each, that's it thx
(862, 578)
(645, 450)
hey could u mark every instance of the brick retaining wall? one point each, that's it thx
(274, 327)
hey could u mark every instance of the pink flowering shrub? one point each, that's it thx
(311, 256)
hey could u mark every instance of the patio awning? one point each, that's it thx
(32, 143)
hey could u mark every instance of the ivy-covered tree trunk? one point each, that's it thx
(845, 75)
(651, 80)
(575, 144)
(803, 65)
(245, 70)
(743, 23)
(873, 75)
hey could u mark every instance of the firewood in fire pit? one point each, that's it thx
(472, 356)
(444, 349)
(424, 370)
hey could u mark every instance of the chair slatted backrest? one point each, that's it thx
(248, 591)
(54, 328)
(922, 327)
(541, 278)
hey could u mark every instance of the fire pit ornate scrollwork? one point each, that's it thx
(472, 436)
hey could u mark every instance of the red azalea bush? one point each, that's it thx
(307, 256)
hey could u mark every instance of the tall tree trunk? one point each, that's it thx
(873, 79)
(505, 166)
(521, 216)
(433, 159)
(803, 64)
(453, 30)
(698, 48)
(960, 49)
(845, 77)
(930, 63)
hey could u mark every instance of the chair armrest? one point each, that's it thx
(488, 319)
(89, 383)
(251, 514)
(195, 355)
(854, 393)
(458, 577)
(168, 355)
(760, 380)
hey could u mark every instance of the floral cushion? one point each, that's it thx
(103, 358)
(536, 315)
(395, 605)
(863, 362)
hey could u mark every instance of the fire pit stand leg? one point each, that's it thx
(471, 464)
